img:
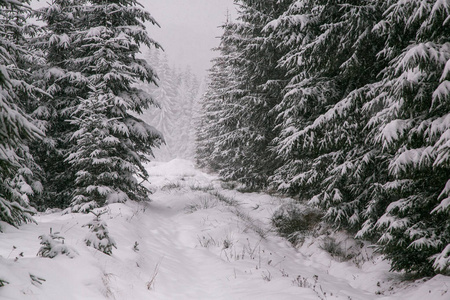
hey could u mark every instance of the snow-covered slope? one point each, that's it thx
(195, 240)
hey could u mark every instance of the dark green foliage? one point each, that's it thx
(330, 245)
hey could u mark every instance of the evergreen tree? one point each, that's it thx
(325, 152)
(354, 97)
(104, 173)
(362, 148)
(411, 128)
(213, 104)
(53, 245)
(17, 181)
(91, 51)
(244, 124)
(163, 93)
(64, 85)
(106, 43)
(98, 236)
(188, 89)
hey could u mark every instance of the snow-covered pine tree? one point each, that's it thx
(98, 236)
(213, 105)
(260, 82)
(175, 94)
(65, 85)
(245, 126)
(411, 127)
(97, 156)
(332, 56)
(53, 245)
(107, 39)
(16, 129)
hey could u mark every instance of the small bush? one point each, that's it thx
(227, 243)
(294, 222)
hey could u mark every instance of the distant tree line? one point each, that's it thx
(177, 96)
(344, 104)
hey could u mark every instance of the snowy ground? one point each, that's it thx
(195, 240)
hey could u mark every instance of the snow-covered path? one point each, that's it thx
(195, 240)
(194, 263)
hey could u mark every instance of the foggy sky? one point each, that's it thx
(189, 29)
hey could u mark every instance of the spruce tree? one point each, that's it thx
(98, 236)
(209, 153)
(107, 39)
(360, 147)
(17, 181)
(412, 131)
(357, 107)
(64, 85)
(188, 89)
(320, 138)
(244, 120)
(175, 95)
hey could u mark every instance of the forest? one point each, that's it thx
(343, 105)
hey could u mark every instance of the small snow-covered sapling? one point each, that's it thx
(53, 245)
(98, 236)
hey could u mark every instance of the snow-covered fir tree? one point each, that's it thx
(107, 41)
(213, 106)
(410, 124)
(98, 236)
(64, 85)
(184, 131)
(17, 181)
(91, 51)
(243, 125)
(105, 174)
(332, 58)
(53, 245)
(350, 140)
